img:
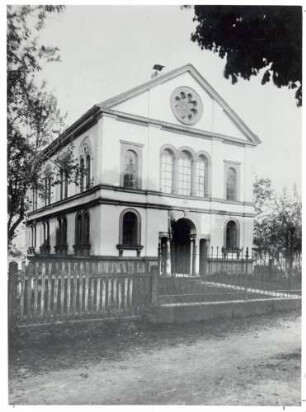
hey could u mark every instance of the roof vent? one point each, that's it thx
(157, 69)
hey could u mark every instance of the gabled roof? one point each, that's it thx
(122, 97)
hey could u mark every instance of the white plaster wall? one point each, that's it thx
(153, 221)
(155, 104)
(95, 232)
(153, 139)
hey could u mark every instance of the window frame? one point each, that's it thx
(137, 246)
(190, 156)
(137, 149)
(237, 240)
(173, 153)
(236, 166)
(207, 173)
(82, 233)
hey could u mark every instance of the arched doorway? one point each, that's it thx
(183, 230)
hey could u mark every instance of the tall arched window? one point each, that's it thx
(201, 176)
(87, 171)
(46, 234)
(64, 231)
(59, 232)
(86, 229)
(82, 233)
(33, 236)
(167, 164)
(61, 235)
(231, 184)
(130, 175)
(34, 197)
(63, 184)
(78, 229)
(45, 247)
(129, 229)
(232, 241)
(184, 174)
(82, 170)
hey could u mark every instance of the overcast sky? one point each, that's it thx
(106, 50)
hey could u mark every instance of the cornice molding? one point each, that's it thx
(175, 128)
(147, 205)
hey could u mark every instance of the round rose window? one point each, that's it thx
(186, 105)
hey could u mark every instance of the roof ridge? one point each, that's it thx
(146, 85)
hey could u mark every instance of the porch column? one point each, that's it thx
(197, 256)
(193, 252)
(168, 257)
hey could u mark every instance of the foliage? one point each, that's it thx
(252, 38)
(263, 194)
(33, 116)
(278, 228)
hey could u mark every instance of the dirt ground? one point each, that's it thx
(251, 361)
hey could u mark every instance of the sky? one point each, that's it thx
(106, 50)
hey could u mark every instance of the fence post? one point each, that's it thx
(12, 293)
(154, 280)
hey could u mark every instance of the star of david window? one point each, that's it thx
(186, 105)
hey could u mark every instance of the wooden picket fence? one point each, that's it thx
(57, 291)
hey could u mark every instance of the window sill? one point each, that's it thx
(121, 248)
(61, 250)
(82, 250)
(45, 249)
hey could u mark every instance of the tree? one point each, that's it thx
(254, 38)
(263, 194)
(278, 224)
(33, 116)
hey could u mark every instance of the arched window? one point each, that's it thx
(63, 184)
(46, 233)
(184, 174)
(33, 236)
(232, 241)
(78, 229)
(64, 232)
(231, 184)
(86, 229)
(61, 232)
(129, 229)
(66, 184)
(82, 233)
(34, 198)
(82, 170)
(201, 176)
(130, 169)
(87, 175)
(167, 164)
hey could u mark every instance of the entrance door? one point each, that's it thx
(181, 244)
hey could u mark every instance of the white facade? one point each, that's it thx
(139, 149)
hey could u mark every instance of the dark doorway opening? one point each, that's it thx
(182, 232)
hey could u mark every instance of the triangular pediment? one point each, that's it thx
(154, 100)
